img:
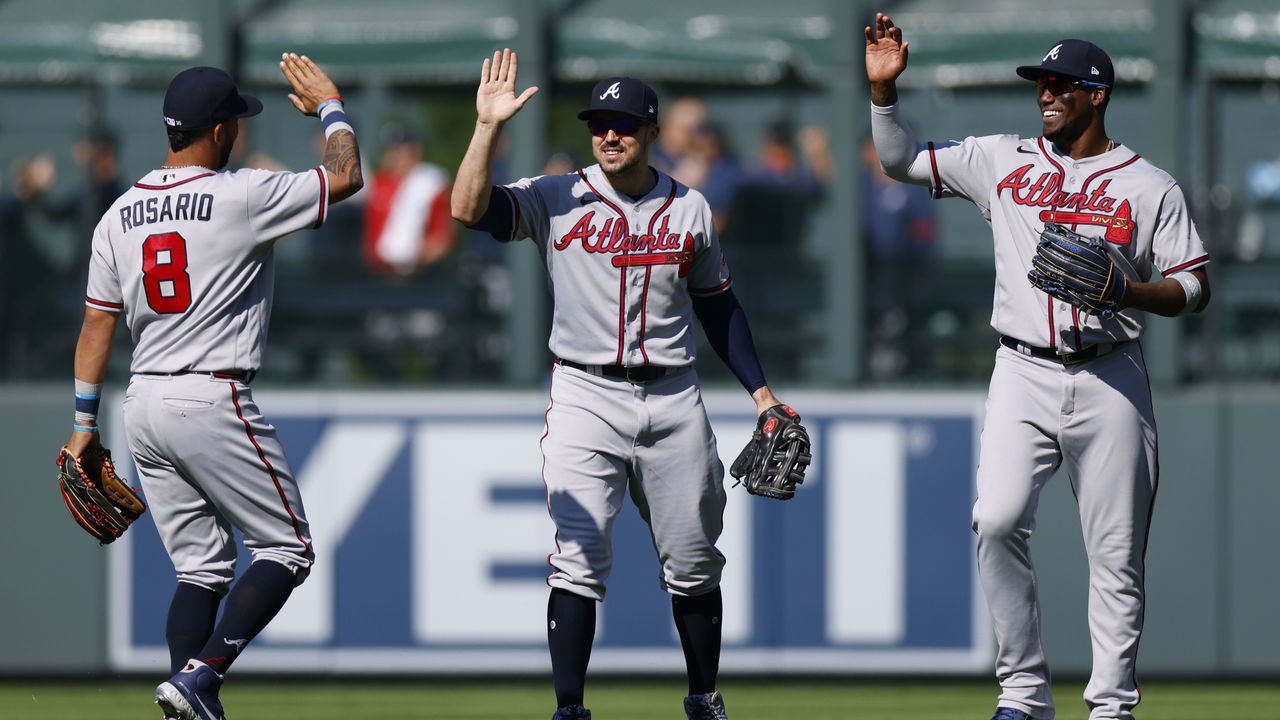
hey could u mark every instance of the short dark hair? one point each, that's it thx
(183, 139)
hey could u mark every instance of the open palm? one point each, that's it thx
(886, 52)
(496, 100)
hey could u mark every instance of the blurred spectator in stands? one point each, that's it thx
(407, 223)
(674, 153)
(898, 231)
(767, 231)
(788, 179)
(720, 171)
(25, 271)
(98, 186)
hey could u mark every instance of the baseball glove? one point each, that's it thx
(774, 460)
(97, 498)
(1077, 270)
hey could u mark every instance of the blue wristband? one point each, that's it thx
(88, 403)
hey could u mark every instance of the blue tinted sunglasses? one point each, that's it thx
(1062, 85)
(622, 126)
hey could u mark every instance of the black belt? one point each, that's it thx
(244, 376)
(1075, 358)
(630, 373)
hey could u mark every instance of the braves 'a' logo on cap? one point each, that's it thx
(612, 92)
(1053, 53)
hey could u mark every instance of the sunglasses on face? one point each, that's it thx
(1062, 85)
(622, 127)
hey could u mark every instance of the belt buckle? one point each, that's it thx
(635, 374)
(1074, 358)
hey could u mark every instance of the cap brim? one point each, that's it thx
(1030, 72)
(586, 114)
(253, 106)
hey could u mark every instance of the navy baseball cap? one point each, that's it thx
(1078, 59)
(625, 95)
(201, 97)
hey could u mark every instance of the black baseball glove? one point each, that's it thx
(1077, 270)
(96, 497)
(774, 460)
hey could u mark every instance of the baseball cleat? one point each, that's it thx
(191, 694)
(1004, 713)
(705, 707)
(571, 712)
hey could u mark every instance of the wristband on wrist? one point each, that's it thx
(1192, 289)
(334, 119)
(88, 398)
(84, 428)
(331, 102)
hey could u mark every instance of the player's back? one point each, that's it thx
(186, 253)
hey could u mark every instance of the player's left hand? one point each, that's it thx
(310, 85)
(1077, 270)
(777, 455)
(98, 500)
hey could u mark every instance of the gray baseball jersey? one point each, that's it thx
(1068, 389)
(623, 272)
(1020, 184)
(186, 254)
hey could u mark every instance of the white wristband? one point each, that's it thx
(1191, 288)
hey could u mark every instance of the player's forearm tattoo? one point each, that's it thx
(342, 157)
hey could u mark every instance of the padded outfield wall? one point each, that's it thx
(432, 531)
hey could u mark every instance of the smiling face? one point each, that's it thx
(620, 143)
(1068, 108)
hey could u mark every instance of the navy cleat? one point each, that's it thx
(1004, 713)
(705, 707)
(571, 712)
(191, 694)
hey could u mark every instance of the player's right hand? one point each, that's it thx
(886, 52)
(310, 85)
(496, 100)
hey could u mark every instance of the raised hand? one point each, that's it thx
(310, 85)
(886, 52)
(496, 100)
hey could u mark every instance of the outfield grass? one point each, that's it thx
(616, 700)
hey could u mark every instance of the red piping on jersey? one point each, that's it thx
(1075, 324)
(622, 276)
(1062, 178)
(937, 179)
(1192, 263)
(104, 303)
(648, 271)
(172, 185)
(235, 399)
(712, 291)
(545, 432)
(324, 195)
(1104, 171)
(1052, 335)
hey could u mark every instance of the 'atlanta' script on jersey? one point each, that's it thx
(613, 237)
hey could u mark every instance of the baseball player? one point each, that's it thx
(631, 256)
(1069, 388)
(186, 256)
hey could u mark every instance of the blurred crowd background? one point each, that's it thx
(849, 279)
